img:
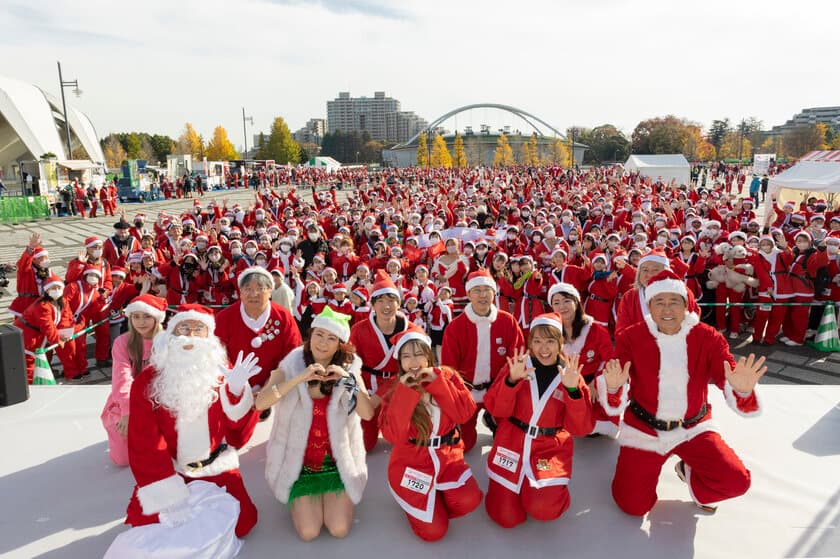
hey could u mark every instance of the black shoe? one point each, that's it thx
(103, 363)
(265, 414)
(489, 422)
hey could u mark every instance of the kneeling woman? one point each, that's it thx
(315, 453)
(542, 401)
(427, 473)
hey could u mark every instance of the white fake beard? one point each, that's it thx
(187, 379)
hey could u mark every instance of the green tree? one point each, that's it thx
(734, 146)
(134, 146)
(220, 147)
(162, 146)
(422, 151)
(280, 146)
(718, 131)
(606, 143)
(440, 153)
(503, 155)
(459, 156)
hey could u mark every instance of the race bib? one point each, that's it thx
(506, 459)
(416, 481)
(557, 394)
(765, 308)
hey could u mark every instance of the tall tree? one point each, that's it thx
(113, 151)
(459, 156)
(162, 145)
(189, 142)
(422, 150)
(802, 139)
(718, 131)
(134, 146)
(559, 154)
(280, 146)
(533, 151)
(220, 147)
(440, 153)
(734, 146)
(503, 155)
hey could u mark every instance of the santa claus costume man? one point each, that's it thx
(660, 374)
(33, 268)
(477, 343)
(189, 413)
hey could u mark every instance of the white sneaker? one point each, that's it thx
(679, 467)
(733, 336)
(784, 339)
(791, 343)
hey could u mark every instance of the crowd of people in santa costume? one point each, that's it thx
(423, 298)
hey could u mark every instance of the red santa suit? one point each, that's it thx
(39, 325)
(478, 347)
(572, 274)
(801, 272)
(116, 257)
(529, 470)
(594, 346)
(271, 336)
(379, 368)
(29, 285)
(774, 286)
(85, 304)
(633, 308)
(431, 482)
(669, 379)
(163, 452)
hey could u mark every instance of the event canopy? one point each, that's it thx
(667, 167)
(816, 174)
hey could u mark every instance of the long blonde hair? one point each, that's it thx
(135, 346)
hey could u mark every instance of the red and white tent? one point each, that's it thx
(817, 173)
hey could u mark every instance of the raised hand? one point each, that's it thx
(570, 374)
(615, 375)
(242, 371)
(83, 255)
(746, 373)
(517, 368)
(34, 240)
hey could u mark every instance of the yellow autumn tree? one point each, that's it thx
(559, 154)
(535, 151)
(525, 153)
(835, 144)
(730, 148)
(189, 142)
(440, 153)
(113, 152)
(706, 151)
(504, 153)
(422, 151)
(459, 156)
(220, 147)
(822, 134)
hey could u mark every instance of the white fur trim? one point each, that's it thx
(96, 271)
(562, 287)
(650, 257)
(409, 337)
(664, 441)
(342, 331)
(236, 411)
(40, 253)
(140, 306)
(94, 243)
(483, 325)
(204, 318)
(601, 388)
(543, 321)
(666, 286)
(481, 280)
(385, 291)
(226, 461)
(259, 270)
(193, 439)
(162, 494)
(732, 401)
(465, 476)
(52, 284)
(673, 368)
(606, 428)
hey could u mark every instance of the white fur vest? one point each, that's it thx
(290, 433)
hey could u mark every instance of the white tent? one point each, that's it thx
(667, 167)
(816, 174)
(325, 163)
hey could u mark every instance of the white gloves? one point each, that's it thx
(242, 371)
(177, 514)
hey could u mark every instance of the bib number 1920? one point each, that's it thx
(416, 481)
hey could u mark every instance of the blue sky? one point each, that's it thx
(570, 62)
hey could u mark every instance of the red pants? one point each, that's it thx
(80, 208)
(65, 354)
(230, 481)
(448, 504)
(796, 319)
(508, 509)
(109, 207)
(771, 319)
(468, 432)
(722, 293)
(93, 208)
(714, 473)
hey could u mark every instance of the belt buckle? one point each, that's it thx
(194, 467)
(386, 375)
(533, 431)
(673, 424)
(434, 442)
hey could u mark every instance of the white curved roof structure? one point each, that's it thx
(32, 117)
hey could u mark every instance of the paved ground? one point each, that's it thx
(64, 237)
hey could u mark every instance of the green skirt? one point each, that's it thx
(312, 482)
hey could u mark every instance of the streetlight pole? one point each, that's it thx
(63, 84)
(245, 131)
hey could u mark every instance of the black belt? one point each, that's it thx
(29, 295)
(663, 425)
(534, 430)
(596, 298)
(482, 386)
(209, 460)
(377, 372)
(453, 437)
(31, 327)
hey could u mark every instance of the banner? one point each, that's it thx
(761, 162)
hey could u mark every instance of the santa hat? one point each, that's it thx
(92, 241)
(363, 266)
(665, 281)
(564, 288)
(395, 261)
(53, 281)
(362, 293)
(789, 205)
(192, 311)
(278, 270)
(817, 216)
(384, 285)
(39, 252)
(412, 333)
(410, 298)
(333, 322)
(620, 254)
(688, 238)
(118, 271)
(479, 278)
(551, 319)
(250, 271)
(187, 221)
(559, 250)
(599, 256)
(339, 287)
(738, 235)
(656, 255)
(803, 233)
(421, 267)
(311, 283)
(196, 203)
(319, 256)
(149, 304)
(92, 270)
(141, 217)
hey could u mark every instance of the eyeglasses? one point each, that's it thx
(186, 329)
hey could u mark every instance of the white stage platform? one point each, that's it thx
(62, 498)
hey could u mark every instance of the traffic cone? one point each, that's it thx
(42, 374)
(827, 339)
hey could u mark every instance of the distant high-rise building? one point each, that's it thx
(312, 133)
(379, 116)
(825, 115)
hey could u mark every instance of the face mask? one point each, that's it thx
(550, 234)
(607, 212)
(313, 237)
(368, 226)
(240, 216)
(259, 215)
(260, 230)
(392, 234)
(566, 219)
(512, 237)
(236, 251)
(55, 293)
(260, 262)
(225, 229)
(646, 206)
(285, 248)
(44, 264)
(96, 253)
(831, 249)
(250, 251)
(434, 240)
(215, 257)
(91, 279)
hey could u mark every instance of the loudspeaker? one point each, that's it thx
(14, 387)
